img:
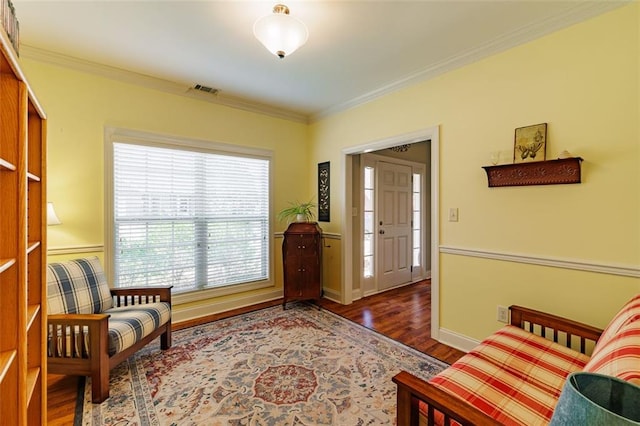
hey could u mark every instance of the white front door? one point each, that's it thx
(394, 224)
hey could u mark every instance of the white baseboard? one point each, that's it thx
(456, 340)
(180, 314)
(365, 294)
(357, 294)
(332, 295)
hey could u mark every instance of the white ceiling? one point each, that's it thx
(357, 50)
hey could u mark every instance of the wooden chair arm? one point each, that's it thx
(73, 331)
(77, 319)
(411, 389)
(527, 319)
(125, 296)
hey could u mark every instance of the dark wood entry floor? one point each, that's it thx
(403, 314)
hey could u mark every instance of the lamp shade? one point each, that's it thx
(589, 399)
(280, 33)
(52, 217)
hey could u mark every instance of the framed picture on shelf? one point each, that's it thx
(324, 189)
(530, 143)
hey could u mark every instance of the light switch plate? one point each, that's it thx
(453, 214)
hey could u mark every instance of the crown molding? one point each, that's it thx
(160, 84)
(580, 12)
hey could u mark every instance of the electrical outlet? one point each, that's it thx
(503, 314)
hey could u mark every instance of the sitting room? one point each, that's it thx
(198, 227)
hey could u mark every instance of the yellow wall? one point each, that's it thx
(79, 106)
(583, 82)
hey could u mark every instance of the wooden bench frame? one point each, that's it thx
(98, 363)
(412, 390)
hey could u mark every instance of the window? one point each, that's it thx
(417, 222)
(192, 218)
(369, 221)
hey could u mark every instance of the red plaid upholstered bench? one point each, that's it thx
(515, 376)
(92, 328)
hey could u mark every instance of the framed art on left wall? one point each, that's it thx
(324, 188)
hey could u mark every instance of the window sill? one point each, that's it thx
(211, 293)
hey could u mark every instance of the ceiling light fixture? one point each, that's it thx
(280, 32)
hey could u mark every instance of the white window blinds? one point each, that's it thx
(191, 219)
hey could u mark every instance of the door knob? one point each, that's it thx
(381, 231)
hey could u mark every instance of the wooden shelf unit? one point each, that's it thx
(6, 264)
(6, 360)
(23, 359)
(6, 165)
(551, 172)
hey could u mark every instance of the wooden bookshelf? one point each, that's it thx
(23, 363)
(6, 165)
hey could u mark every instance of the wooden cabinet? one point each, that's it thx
(302, 257)
(22, 247)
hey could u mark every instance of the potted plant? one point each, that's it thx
(298, 212)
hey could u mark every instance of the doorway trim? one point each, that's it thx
(431, 134)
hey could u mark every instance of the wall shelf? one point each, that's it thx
(551, 172)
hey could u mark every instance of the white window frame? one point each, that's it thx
(115, 135)
(418, 270)
(373, 234)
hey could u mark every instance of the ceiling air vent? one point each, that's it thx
(206, 89)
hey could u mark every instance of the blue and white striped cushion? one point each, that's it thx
(77, 287)
(129, 324)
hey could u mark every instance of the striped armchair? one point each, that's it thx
(516, 375)
(92, 328)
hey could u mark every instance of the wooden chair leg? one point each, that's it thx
(100, 385)
(165, 338)
(100, 365)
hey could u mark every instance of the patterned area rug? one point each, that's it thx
(302, 366)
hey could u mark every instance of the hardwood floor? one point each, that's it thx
(61, 399)
(403, 314)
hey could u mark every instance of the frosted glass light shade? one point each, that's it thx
(280, 33)
(52, 217)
